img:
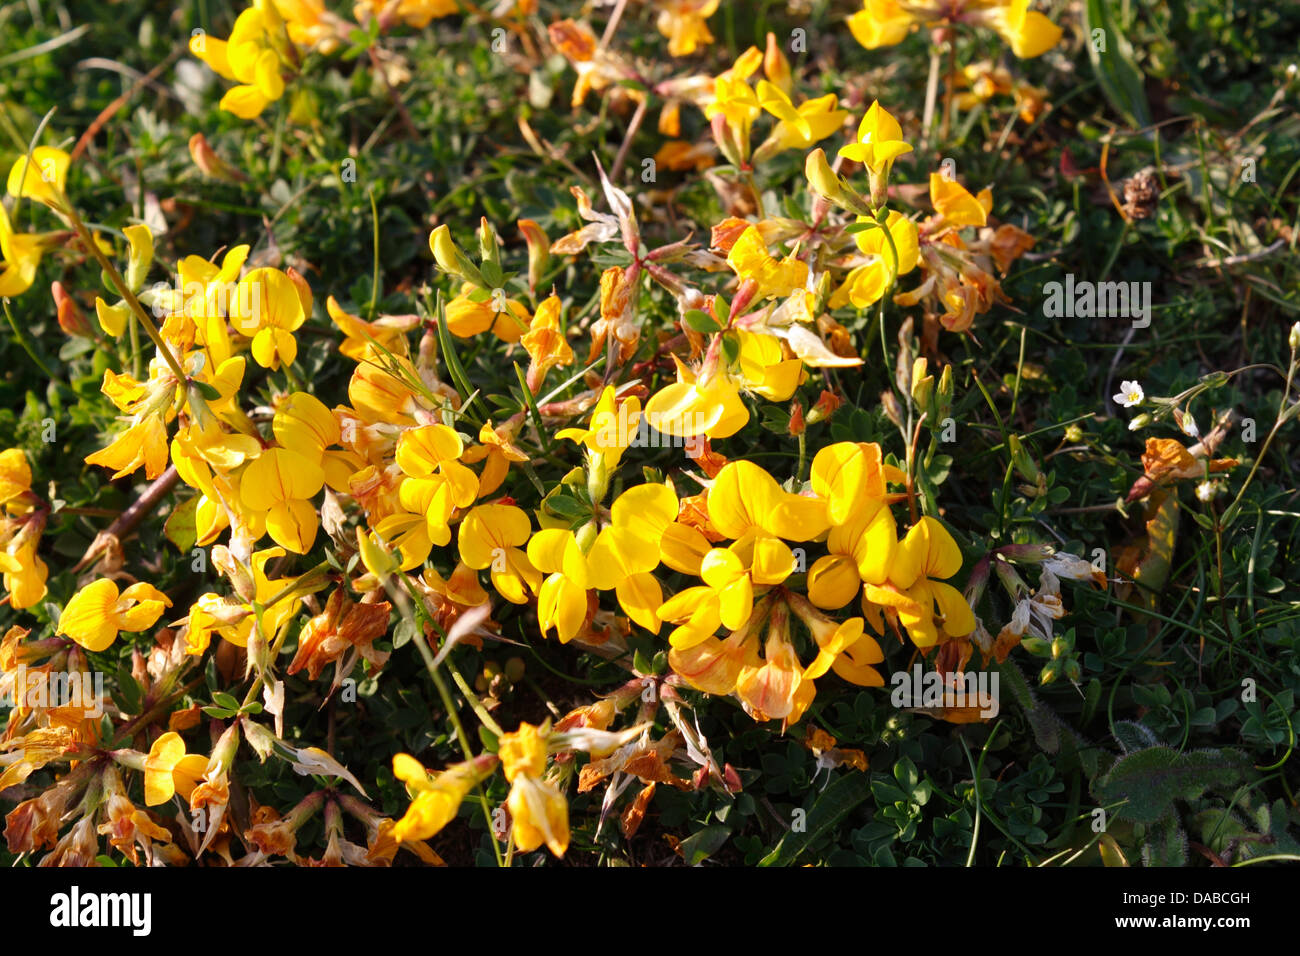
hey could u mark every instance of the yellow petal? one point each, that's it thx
(91, 617)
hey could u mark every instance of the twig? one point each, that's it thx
(108, 111)
(632, 127)
(132, 516)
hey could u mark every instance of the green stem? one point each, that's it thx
(125, 292)
(22, 340)
(421, 613)
(1231, 512)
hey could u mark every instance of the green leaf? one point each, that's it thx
(181, 527)
(731, 349)
(207, 391)
(700, 321)
(1149, 781)
(698, 847)
(832, 805)
(1116, 71)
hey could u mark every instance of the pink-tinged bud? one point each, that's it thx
(979, 579)
(210, 164)
(71, 318)
(892, 409)
(797, 423)
(776, 66)
(302, 288)
(825, 406)
(666, 279)
(1014, 584)
(539, 252)
(726, 143)
(744, 296)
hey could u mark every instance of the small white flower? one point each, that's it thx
(1206, 490)
(1130, 394)
(1293, 339)
(1190, 428)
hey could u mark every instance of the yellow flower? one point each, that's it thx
(206, 297)
(880, 141)
(268, 307)
(436, 800)
(611, 428)
(620, 558)
(15, 476)
(274, 615)
(41, 176)
(378, 395)
(490, 537)
(914, 591)
(279, 484)
(497, 449)
(169, 770)
(436, 484)
(860, 551)
(708, 405)
(755, 561)
(880, 23)
(733, 97)
(250, 58)
(20, 255)
(467, 317)
(956, 205)
(750, 260)
(1029, 32)
(538, 811)
(143, 443)
(851, 477)
(414, 13)
(545, 342)
(745, 498)
(864, 285)
(800, 127)
(25, 573)
(98, 611)
(388, 331)
(683, 22)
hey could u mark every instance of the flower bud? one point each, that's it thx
(892, 410)
(451, 260)
(825, 182)
(539, 252)
(302, 288)
(943, 405)
(820, 176)
(1022, 460)
(922, 386)
(210, 164)
(726, 142)
(489, 247)
(776, 66)
(72, 320)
